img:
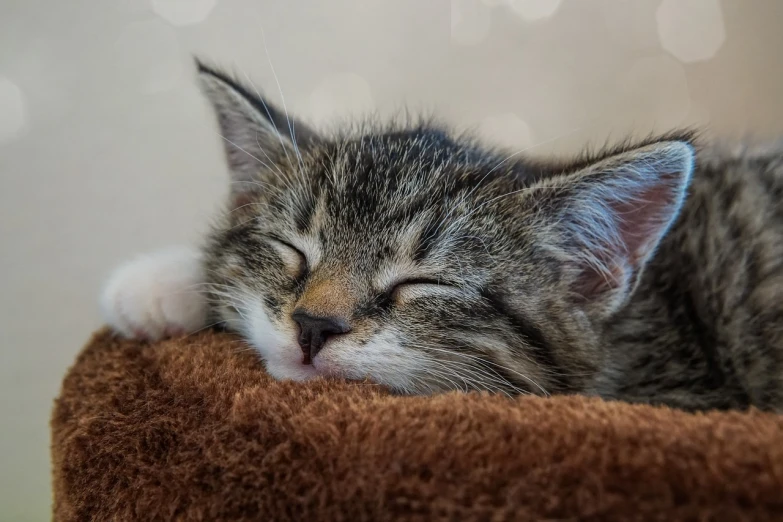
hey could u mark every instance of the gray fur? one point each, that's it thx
(629, 274)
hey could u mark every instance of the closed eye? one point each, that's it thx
(294, 260)
(413, 288)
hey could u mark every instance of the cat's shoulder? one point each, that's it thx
(730, 155)
(751, 163)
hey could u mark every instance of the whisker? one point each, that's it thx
(473, 378)
(243, 150)
(447, 378)
(491, 385)
(251, 204)
(472, 368)
(485, 361)
(282, 176)
(207, 327)
(269, 116)
(282, 98)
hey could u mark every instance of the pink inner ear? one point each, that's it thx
(643, 218)
(640, 219)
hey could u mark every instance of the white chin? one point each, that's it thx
(286, 370)
(284, 367)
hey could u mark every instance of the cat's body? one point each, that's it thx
(704, 329)
(425, 262)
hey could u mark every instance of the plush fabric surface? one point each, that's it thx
(193, 429)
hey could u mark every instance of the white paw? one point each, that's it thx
(157, 295)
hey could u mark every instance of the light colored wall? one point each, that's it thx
(107, 149)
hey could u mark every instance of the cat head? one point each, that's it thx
(424, 261)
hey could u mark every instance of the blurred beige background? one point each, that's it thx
(107, 149)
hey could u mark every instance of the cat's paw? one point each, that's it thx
(157, 295)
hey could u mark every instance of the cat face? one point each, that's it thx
(423, 262)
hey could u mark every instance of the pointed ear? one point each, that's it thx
(258, 138)
(610, 217)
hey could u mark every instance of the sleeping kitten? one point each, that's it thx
(425, 262)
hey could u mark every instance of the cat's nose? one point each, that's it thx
(315, 330)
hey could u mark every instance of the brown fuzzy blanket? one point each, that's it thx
(193, 429)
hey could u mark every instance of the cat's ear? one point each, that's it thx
(605, 221)
(258, 138)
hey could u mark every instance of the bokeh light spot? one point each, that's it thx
(692, 30)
